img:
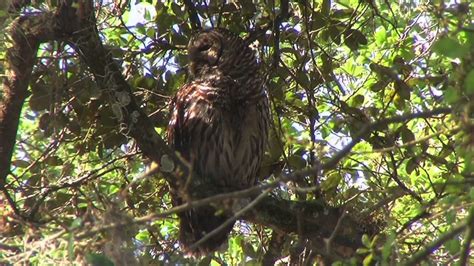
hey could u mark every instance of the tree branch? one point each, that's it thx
(366, 130)
(84, 38)
(25, 35)
(75, 22)
(468, 238)
(276, 32)
(430, 248)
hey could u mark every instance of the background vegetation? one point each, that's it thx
(373, 126)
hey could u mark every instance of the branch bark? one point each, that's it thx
(25, 33)
(318, 221)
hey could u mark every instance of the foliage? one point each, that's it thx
(397, 76)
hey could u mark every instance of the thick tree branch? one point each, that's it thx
(25, 36)
(80, 27)
(313, 220)
(318, 221)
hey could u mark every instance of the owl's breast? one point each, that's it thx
(222, 137)
(231, 140)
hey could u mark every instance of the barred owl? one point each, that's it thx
(219, 123)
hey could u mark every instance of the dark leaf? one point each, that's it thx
(379, 85)
(44, 121)
(402, 89)
(95, 259)
(407, 135)
(354, 38)
(296, 162)
(41, 97)
(335, 34)
(411, 165)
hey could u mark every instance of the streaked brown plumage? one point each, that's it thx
(219, 123)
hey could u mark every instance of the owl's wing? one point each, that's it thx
(178, 132)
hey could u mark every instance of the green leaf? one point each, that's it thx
(450, 47)
(469, 82)
(380, 36)
(95, 259)
(54, 161)
(451, 95)
(469, 161)
(318, 21)
(70, 247)
(366, 240)
(368, 260)
(335, 34)
(407, 135)
(402, 89)
(411, 165)
(20, 163)
(296, 162)
(388, 246)
(471, 194)
(450, 216)
(248, 249)
(177, 9)
(379, 85)
(143, 236)
(41, 98)
(453, 246)
(362, 251)
(331, 182)
(357, 100)
(354, 38)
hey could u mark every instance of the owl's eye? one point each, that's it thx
(204, 47)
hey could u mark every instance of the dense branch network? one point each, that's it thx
(76, 25)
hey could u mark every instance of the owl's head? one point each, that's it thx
(219, 51)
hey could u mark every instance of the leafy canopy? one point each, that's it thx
(394, 78)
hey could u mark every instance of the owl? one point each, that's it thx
(219, 124)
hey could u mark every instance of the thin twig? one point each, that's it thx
(430, 248)
(276, 31)
(370, 127)
(329, 241)
(468, 239)
(15, 249)
(451, 131)
(183, 207)
(394, 176)
(193, 16)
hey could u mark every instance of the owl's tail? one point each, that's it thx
(197, 223)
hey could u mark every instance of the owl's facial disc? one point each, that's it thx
(205, 49)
